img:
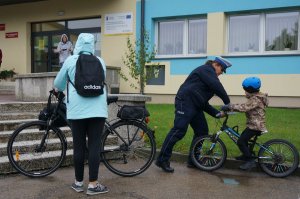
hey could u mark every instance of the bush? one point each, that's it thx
(7, 74)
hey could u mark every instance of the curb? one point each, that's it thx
(229, 163)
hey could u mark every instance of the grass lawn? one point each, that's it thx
(281, 123)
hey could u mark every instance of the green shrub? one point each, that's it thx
(7, 74)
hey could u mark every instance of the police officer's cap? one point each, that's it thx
(223, 62)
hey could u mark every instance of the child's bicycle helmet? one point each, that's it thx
(251, 84)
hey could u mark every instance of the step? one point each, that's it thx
(21, 107)
(30, 134)
(7, 125)
(4, 91)
(17, 116)
(6, 167)
(7, 85)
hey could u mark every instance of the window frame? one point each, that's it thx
(262, 35)
(185, 38)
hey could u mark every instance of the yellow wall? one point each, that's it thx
(17, 18)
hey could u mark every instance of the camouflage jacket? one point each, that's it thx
(254, 109)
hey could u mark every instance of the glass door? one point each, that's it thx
(55, 39)
(40, 54)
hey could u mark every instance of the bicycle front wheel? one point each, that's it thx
(32, 157)
(278, 158)
(208, 154)
(128, 148)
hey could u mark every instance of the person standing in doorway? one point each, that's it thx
(86, 115)
(64, 48)
(191, 102)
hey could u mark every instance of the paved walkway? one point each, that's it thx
(185, 183)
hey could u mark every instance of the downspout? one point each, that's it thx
(142, 20)
(142, 47)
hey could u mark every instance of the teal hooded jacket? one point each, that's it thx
(79, 107)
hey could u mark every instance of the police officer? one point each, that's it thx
(190, 103)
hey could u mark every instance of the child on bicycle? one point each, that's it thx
(254, 109)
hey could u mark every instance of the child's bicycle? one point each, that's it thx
(276, 157)
(38, 148)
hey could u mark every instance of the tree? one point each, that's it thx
(138, 56)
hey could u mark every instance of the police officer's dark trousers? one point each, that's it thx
(185, 113)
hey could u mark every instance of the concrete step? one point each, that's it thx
(7, 88)
(21, 107)
(8, 125)
(6, 167)
(4, 91)
(30, 134)
(18, 116)
(29, 146)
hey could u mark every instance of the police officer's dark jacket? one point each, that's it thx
(200, 86)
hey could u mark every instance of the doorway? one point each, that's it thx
(47, 35)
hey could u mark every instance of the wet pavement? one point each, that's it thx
(185, 183)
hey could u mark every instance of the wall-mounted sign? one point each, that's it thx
(11, 35)
(2, 27)
(118, 23)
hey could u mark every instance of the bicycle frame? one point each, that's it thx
(107, 126)
(234, 136)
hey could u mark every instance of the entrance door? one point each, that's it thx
(45, 56)
(55, 39)
(40, 54)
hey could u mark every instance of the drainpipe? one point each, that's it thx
(142, 20)
(142, 47)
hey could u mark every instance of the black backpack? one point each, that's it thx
(89, 76)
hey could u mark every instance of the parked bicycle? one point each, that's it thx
(38, 148)
(276, 157)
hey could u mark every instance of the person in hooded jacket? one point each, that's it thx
(255, 112)
(64, 48)
(86, 115)
(191, 102)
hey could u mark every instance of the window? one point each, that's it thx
(282, 31)
(263, 33)
(243, 37)
(170, 38)
(182, 37)
(156, 75)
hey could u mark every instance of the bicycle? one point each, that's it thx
(276, 157)
(38, 148)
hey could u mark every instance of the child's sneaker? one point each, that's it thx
(248, 165)
(97, 190)
(78, 187)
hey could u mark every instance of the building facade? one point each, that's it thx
(260, 38)
(30, 32)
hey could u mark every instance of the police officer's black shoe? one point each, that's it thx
(165, 166)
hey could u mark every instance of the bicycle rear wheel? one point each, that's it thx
(31, 158)
(128, 148)
(278, 158)
(208, 155)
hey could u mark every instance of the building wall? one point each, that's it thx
(17, 18)
(280, 73)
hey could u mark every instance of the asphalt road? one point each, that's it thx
(185, 183)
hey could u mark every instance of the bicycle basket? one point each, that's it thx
(128, 112)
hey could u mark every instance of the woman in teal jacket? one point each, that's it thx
(86, 115)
